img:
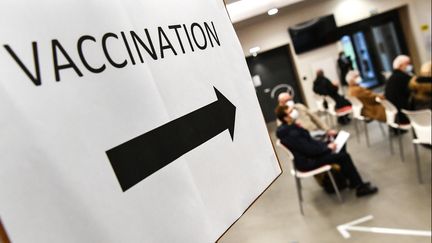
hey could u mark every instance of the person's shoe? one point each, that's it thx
(367, 183)
(366, 189)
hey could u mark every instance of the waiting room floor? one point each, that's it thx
(401, 203)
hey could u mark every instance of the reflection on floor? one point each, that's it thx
(401, 202)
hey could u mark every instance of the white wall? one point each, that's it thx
(269, 32)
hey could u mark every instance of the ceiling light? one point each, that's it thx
(272, 11)
(254, 50)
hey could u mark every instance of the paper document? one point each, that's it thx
(341, 139)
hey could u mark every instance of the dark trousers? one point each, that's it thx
(348, 169)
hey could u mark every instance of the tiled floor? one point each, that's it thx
(401, 202)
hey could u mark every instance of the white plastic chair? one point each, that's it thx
(391, 112)
(422, 134)
(332, 109)
(298, 175)
(357, 107)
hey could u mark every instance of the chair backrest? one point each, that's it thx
(331, 104)
(319, 100)
(357, 106)
(390, 110)
(290, 156)
(421, 122)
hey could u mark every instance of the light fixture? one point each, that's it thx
(254, 50)
(273, 11)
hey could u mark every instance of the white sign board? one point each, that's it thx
(126, 121)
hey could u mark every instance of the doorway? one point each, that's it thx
(372, 44)
(272, 73)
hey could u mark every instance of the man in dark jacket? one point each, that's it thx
(345, 65)
(323, 86)
(397, 90)
(310, 154)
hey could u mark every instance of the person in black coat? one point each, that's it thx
(311, 154)
(345, 65)
(397, 90)
(323, 86)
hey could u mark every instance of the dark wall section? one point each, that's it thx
(276, 72)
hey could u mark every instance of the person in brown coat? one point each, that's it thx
(371, 108)
(421, 87)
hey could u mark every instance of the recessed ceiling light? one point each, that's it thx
(254, 50)
(272, 11)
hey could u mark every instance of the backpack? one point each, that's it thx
(324, 181)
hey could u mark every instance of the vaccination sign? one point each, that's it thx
(126, 121)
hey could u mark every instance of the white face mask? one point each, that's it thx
(294, 114)
(409, 69)
(289, 103)
(358, 80)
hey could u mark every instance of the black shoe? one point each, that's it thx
(367, 183)
(366, 189)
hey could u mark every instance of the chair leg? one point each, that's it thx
(357, 131)
(334, 186)
(301, 189)
(366, 134)
(390, 140)
(382, 129)
(300, 199)
(417, 157)
(401, 147)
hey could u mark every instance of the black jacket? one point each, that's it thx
(324, 86)
(304, 148)
(398, 93)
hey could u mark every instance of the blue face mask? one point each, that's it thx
(409, 69)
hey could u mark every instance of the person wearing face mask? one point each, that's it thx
(371, 108)
(305, 118)
(310, 154)
(396, 90)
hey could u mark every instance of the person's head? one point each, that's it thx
(353, 78)
(319, 73)
(285, 98)
(426, 70)
(341, 54)
(286, 114)
(402, 63)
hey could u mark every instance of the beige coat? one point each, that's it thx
(422, 91)
(371, 108)
(309, 120)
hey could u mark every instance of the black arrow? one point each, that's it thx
(140, 157)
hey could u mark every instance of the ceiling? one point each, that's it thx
(240, 10)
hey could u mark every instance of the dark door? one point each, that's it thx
(273, 73)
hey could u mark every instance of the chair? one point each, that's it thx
(298, 175)
(391, 112)
(421, 124)
(357, 107)
(320, 100)
(332, 109)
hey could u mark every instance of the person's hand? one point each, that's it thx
(331, 133)
(335, 83)
(332, 146)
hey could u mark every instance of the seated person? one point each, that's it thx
(323, 86)
(421, 87)
(396, 90)
(371, 108)
(311, 154)
(306, 118)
